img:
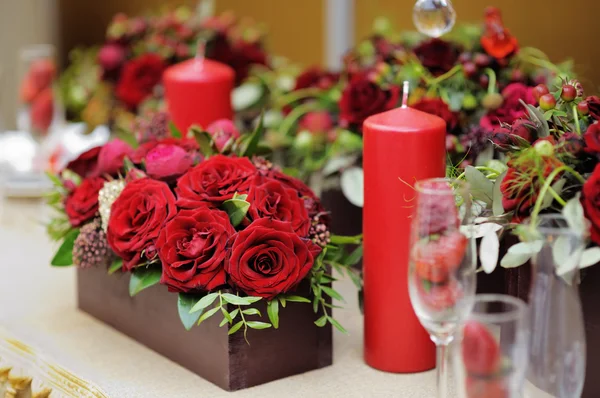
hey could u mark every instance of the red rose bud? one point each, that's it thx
(480, 350)
(568, 93)
(42, 111)
(592, 138)
(81, 204)
(594, 106)
(539, 91)
(223, 131)
(167, 162)
(524, 128)
(583, 108)
(547, 102)
(110, 158)
(590, 200)
(111, 57)
(571, 143)
(478, 387)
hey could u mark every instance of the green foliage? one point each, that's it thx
(184, 306)
(273, 312)
(236, 209)
(143, 278)
(64, 255)
(116, 266)
(249, 144)
(204, 140)
(175, 132)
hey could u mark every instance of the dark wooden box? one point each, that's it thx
(151, 318)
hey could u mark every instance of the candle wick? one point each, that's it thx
(200, 49)
(405, 88)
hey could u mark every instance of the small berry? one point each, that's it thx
(469, 102)
(484, 80)
(539, 91)
(547, 102)
(492, 101)
(470, 69)
(465, 57)
(544, 147)
(583, 108)
(517, 75)
(568, 93)
(482, 60)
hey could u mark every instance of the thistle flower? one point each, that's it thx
(91, 247)
(106, 197)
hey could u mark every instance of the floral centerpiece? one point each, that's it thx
(473, 79)
(122, 77)
(212, 222)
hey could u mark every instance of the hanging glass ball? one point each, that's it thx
(434, 17)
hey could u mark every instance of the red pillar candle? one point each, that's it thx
(198, 91)
(401, 146)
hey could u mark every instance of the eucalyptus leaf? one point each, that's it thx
(297, 299)
(590, 257)
(258, 325)
(235, 328)
(64, 255)
(246, 95)
(208, 314)
(338, 163)
(204, 302)
(528, 248)
(321, 321)
(480, 230)
(485, 156)
(480, 187)
(273, 312)
(512, 260)
(566, 259)
(235, 300)
(236, 209)
(489, 251)
(185, 302)
(497, 207)
(352, 182)
(573, 213)
(143, 278)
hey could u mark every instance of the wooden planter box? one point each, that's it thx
(151, 318)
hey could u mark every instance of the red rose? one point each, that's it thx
(189, 145)
(592, 138)
(316, 77)
(437, 107)
(137, 218)
(222, 131)
(594, 106)
(138, 79)
(311, 201)
(271, 199)
(167, 162)
(214, 181)
(590, 200)
(511, 108)
(437, 55)
(193, 249)
(81, 204)
(362, 98)
(85, 164)
(111, 155)
(269, 258)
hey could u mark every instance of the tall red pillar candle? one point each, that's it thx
(198, 91)
(401, 146)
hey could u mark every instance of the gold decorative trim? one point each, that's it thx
(26, 373)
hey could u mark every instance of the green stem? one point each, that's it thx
(556, 196)
(296, 114)
(244, 323)
(547, 186)
(576, 117)
(446, 75)
(492, 83)
(298, 95)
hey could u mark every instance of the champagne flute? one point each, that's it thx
(442, 263)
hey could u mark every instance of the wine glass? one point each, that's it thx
(490, 357)
(442, 263)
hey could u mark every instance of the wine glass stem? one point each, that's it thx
(442, 371)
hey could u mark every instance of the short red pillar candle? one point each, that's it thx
(198, 91)
(401, 146)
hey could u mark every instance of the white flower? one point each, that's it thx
(106, 197)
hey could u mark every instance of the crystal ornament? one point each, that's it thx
(434, 17)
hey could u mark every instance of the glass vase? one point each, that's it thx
(557, 354)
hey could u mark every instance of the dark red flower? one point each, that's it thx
(271, 199)
(138, 79)
(437, 55)
(137, 218)
(590, 200)
(592, 138)
(81, 204)
(86, 163)
(362, 98)
(524, 128)
(594, 106)
(193, 250)
(511, 108)
(214, 181)
(240, 55)
(571, 143)
(268, 258)
(110, 157)
(316, 77)
(437, 107)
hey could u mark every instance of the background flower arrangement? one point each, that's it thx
(212, 221)
(473, 79)
(112, 83)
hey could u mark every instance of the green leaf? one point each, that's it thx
(236, 300)
(64, 255)
(480, 187)
(497, 207)
(223, 322)
(115, 266)
(273, 312)
(204, 140)
(234, 313)
(251, 311)
(226, 315)
(235, 327)
(185, 302)
(337, 325)
(537, 116)
(240, 196)
(250, 145)
(143, 278)
(283, 302)
(332, 293)
(56, 181)
(175, 132)
(128, 164)
(321, 321)
(236, 209)
(204, 302)
(208, 314)
(354, 257)
(346, 240)
(258, 325)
